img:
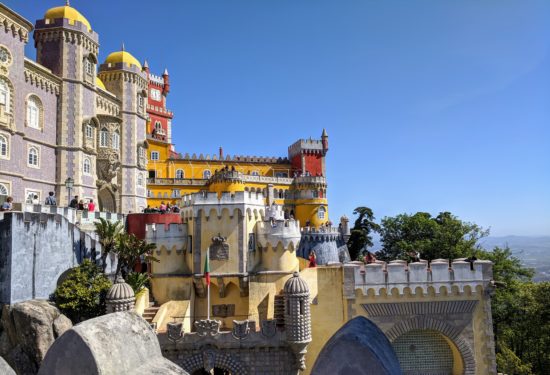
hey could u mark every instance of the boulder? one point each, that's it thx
(5, 369)
(358, 348)
(28, 329)
(117, 343)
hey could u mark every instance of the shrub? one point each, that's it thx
(82, 294)
(137, 281)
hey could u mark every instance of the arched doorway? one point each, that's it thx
(106, 200)
(426, 351)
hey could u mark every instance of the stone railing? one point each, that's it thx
(177, 181)
(310, 180)
(268, 179)
(400, 277)
(212, 198)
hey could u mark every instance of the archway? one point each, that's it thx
(223, 363)
(217, 371)
(106, 200)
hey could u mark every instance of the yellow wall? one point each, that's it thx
(307, 209)
(178, 311)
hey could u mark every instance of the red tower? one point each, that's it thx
(160, 118)
(307, 156)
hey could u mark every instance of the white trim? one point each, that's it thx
(8, 146)
(38, 156)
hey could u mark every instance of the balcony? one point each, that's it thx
(177, 181)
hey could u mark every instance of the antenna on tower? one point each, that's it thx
(67, 3)
(123, 47)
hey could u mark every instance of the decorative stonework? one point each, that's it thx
(36, 76)
(219, 249)
(207, 327)
(15, 28)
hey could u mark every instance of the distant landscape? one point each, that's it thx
(534, 252)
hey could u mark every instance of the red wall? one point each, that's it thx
(314, 164)
(136, 222)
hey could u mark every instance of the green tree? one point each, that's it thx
(108, 233)
(82, 294)
(444, 236)
(360, 238)
(129, 250)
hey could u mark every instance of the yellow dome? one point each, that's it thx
(122, 57)
(99, 83)
(69, 13)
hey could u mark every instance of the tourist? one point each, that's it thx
(162, 207)
(81, 205)
(91, 205)
(370, 258)
(50, 199)
(7, 205)
(74, 202)
(312, 259)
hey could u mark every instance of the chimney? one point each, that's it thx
(221, 153)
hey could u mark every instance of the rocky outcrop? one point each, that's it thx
(5, 369)
(112, 344)
(27, 331)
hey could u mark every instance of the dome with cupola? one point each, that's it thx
(123, 57)
(69, 13)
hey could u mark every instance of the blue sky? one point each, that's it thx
(430, 106)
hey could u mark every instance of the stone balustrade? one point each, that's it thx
(461, 276)
(274, 232)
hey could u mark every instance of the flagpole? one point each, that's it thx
(208, 286)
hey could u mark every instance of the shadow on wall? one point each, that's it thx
(358, 348)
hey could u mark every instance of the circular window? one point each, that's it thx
(5, 56)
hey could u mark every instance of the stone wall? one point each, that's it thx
(36, 249)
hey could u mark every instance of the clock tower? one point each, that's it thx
(159, 125)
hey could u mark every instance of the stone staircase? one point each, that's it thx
(150, 312)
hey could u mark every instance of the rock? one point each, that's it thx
(61, 324)
(359, 348)
(5, 369)
(27, 331)
(112, 344)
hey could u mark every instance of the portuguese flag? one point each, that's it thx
(207, 268)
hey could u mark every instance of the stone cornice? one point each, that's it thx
(41, 77)
(13, 22)
(107, 104)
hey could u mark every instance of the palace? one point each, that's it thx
(104, 130)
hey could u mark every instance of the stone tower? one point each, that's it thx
(123, 76)
(297, 318)
(66, 44)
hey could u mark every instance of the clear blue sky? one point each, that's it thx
(429, 105)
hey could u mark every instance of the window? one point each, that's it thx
(3, 190)
(32, 196)
(321, 213)
(206, 174)
(158, 127)
(255, 173)
(88, 66)
(140, 179)
(140, 101)
(87, 166)
(4, 147)
(33, 112)
(5, 95)
(33, 158)
(103, 137)
(315, 194)
(115, 141)
(155, 94)
(154, 155)
(141, 152)
(179, 174)
(89, 131)
(281, 174)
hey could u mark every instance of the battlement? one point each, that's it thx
(318, 181)
(212, 199)
(156, 79)
(237, 158)
(274, 212)
(418, 278)
(272, 233)
(314, 146)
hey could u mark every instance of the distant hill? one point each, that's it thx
(533, 251)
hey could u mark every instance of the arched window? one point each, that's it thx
(321, 212)
(206, 174)
(255, 173)
(315, 194)
(154, 155)
(34, 107)
(103, 138)
(87, 166)
(4, 147)
(33, 157)
(158, 127)
(89, 131)
(3, 189)
(115, 141)
(5, 95)
(179, 174)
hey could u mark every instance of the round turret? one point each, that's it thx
(120, 297)
(123, 57)
(297, 317)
